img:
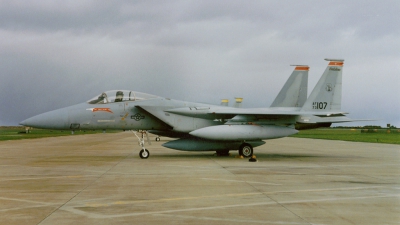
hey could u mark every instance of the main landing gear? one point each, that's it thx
(144, 153)
(246, 150)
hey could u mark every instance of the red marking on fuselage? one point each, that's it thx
(102, 110)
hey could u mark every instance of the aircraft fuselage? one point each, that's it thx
(122, 116)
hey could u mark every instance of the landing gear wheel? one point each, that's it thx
(246, 150)
(144, 153)
(157, 138)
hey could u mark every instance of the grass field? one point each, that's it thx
(351, 135)
(17, 133)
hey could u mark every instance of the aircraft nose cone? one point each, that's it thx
(30, 122)
(57, 119)
(24, 123)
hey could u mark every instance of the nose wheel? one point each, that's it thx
(144, 153)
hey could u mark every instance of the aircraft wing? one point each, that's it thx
(284, 115)
(273, 112)
(157, 113)
(244, 114)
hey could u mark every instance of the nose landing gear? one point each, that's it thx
(144, 153)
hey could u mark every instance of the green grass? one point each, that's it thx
(18, 133)
(351, 135)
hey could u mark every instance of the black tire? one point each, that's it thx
(246, 150)
(144, 154)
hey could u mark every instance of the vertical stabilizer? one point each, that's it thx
(327, 94)
(294, 92)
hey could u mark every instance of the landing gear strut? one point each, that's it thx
(246, 150)
(144, 153)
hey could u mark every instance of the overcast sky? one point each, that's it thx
(58, 53)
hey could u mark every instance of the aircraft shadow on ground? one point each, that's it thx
(233, 155)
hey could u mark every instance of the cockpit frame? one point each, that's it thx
(120, 96)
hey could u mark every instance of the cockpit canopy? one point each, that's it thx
(119, 96)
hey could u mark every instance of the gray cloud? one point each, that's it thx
(56, 53)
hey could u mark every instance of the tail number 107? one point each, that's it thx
(319, 105)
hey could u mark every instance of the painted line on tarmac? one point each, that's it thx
(36, 204)
(30, 207)
(240, 181)
(47, 177)
(25, 200)
(246, 221)
(74, 209)
(99, 216)
(89, 203)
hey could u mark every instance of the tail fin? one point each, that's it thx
(327, 94)
(294, 92)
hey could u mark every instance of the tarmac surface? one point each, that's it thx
(100, 179)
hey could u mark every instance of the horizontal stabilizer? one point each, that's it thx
(334, 119)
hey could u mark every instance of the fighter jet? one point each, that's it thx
(206, 127)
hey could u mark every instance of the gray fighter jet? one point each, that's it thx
(205, 127)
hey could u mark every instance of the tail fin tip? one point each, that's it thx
(301, 67)
(336, 60)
